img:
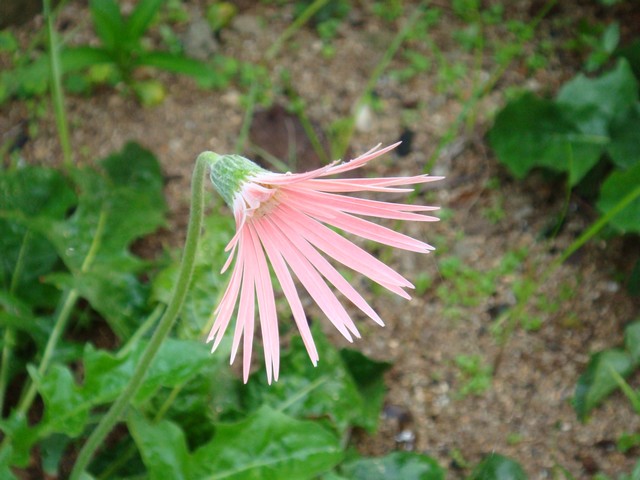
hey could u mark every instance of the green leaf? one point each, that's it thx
(162, 445)
(73, 59)
(625, 147)
(404, 465)
(498, 467)
(303, 390)
(141, 17)
(600, 99)
(66, 407)
(23, 437)
(632, 341)
(177, 63)
(26, 193)
(267, 445)
(119, 206)
(530, 132)
(369, 377)
(619, 185)
(108, 22)
(5, 463)
(596, 383)
(106, 374)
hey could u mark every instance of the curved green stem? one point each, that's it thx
(166, 323)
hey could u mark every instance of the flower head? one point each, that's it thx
(284, 220)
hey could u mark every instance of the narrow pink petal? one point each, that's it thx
(375, 232)
(311, 280)
(361, 160)
(348, 253)
(246, 308)
(326, 269)
(266, 308)
(358, 206)
(227, 305)
(345, 185)
(289, 289)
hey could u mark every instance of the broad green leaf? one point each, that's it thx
(624, 148)
(498, 467)
(141, 17)
(66, 407)
(163, 447)
(108, 22)
(23, 437)
(267, 445)
(531, 132)
(177, 63)
(601, 98)
(25, 194)
(115, 209)
(305, 391)
(619, 185)
(632, 341)
(369, 377)
(596, 383)
(404, 465)
(106, 374)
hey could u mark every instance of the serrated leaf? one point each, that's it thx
(596, 383)
(305, 391)
(66, 406)
(27, 193)
(117, 207)
(404, 465)
(619, 185)
(163, 447)
(632, 341)
(498, 467)
(106, 374)
(531, 132)
(267, 445)
(23, 437)
(369, 377)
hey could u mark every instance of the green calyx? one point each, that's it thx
(229, 172)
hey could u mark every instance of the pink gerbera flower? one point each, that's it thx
(283, 220)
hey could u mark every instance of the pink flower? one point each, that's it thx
(283, 220)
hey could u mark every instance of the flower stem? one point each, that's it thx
(56, 88)
(166, 323)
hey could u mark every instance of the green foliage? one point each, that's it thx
(591, 121)
(328, 390)
(120, 53)
(405, 465)
(498, 467)
(604, 372)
